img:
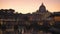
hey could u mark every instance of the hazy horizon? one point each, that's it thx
(29, 6)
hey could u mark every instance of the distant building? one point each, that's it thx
(56, 16)
(15, 23)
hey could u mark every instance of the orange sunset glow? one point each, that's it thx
(29, 6)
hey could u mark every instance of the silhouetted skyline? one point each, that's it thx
(40, 22)
(29, 6)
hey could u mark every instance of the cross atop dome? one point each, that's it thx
(42, 4)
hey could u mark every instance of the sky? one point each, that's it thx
(29, 6)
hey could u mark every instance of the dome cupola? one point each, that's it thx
(42, 8)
